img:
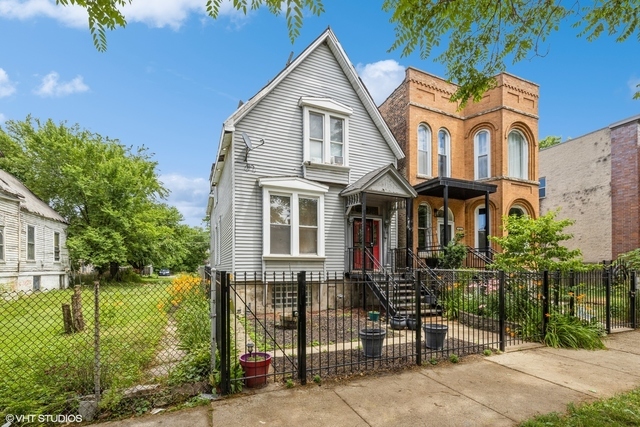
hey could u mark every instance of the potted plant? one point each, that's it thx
(374, 315)
(372, 340)
(255, 366)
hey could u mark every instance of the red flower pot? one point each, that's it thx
(256, 368)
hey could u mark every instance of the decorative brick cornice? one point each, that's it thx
(517, 89)
(432, 87)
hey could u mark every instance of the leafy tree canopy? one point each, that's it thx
(482, 35)
(549, 141)
(536, 244)
(109, 194)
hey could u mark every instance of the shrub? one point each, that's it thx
(573, 332)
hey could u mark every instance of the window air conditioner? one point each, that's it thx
(337, 160)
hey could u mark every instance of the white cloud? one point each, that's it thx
(71, 16)
(188, 195)
(7, 88)
(51, 86)
(381, 78)
(154, 13)
(633, 85)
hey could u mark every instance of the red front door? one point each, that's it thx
(371, 242)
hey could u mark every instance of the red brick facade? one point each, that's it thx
(625, 187)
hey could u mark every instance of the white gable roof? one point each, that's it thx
(331, 41)
(11, 186)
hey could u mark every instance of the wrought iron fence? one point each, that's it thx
(322, 325)
(62, 351)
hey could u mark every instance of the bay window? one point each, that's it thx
(294, 217)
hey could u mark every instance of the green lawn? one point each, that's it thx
(43, 370)
(621, 410)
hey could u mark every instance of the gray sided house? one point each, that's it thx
(298, 169)
(33, 254)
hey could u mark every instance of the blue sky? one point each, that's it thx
(173, 75)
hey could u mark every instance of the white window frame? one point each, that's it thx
(523, 160)
(477, 154)
(294, 188)
(56, 248)
(427, 171)
(1, 242)
(447, 152)
(328, 108)
(33, 258)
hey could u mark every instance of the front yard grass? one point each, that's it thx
(620, 410)
(43, 370)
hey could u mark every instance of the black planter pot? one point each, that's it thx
(398, 322)
(434, 335)
(372, 340)
(412, 323)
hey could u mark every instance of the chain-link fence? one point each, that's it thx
(115, 347)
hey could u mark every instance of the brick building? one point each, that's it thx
(458, 159)
(600, 191)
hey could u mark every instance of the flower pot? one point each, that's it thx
(372, 340)
(412, 323)
(434, 335)
(374, 315)
(398, 322)
(256, 368)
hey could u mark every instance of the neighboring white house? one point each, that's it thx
(297, 166)
(33, 254)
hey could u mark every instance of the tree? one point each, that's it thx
(105, 14)
(535, 244)
(482, 34)
(549, 141)
(107, 192)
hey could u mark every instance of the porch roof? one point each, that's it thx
(459, 189)
(385, 181)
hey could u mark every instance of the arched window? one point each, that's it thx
(482, 150)
(518, 147)
(424, 226)
(444, 153)
(424, 150)
(517, 210)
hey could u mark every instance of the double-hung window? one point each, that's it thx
(1, 243)
(424, 150)
(518, 159)
(31, 243)
(482, 149)
(444, 153)
(542, 189)
(56, 246)
(325, 131)
(293, 216)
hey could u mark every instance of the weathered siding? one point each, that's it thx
(9, 220)
(16, 272)
(223, 216)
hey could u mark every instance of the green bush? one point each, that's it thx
(572, 332)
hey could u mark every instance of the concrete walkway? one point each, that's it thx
(499, 390)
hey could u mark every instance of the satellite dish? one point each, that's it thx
(248, 145)
(247, 141)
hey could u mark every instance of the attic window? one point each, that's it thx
(325, 131)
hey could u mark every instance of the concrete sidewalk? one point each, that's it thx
(499, 390)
